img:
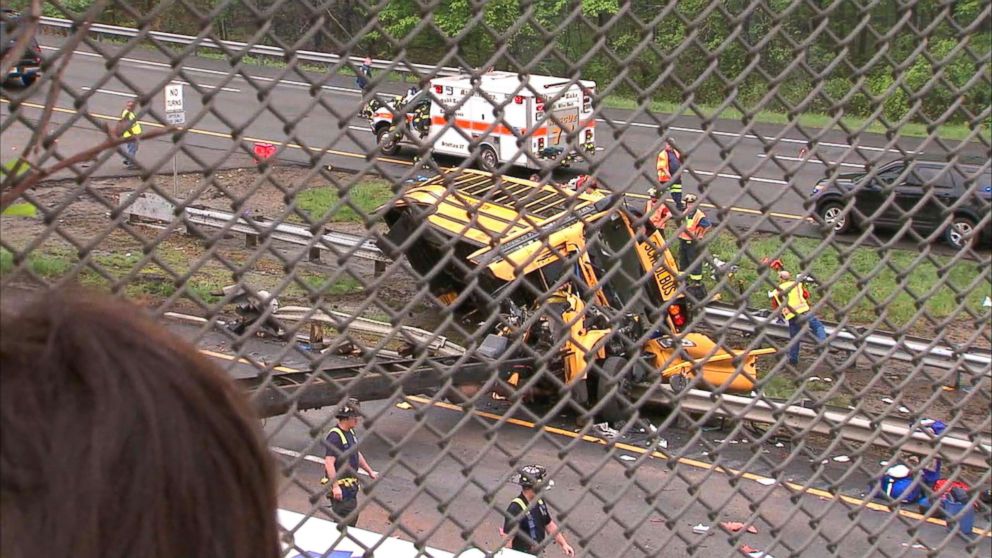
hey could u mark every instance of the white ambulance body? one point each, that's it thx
(524, 134)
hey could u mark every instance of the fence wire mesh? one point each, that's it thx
(446, 211)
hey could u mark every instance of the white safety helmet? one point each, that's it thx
(899, 471)
(690, 198)
(652, 193)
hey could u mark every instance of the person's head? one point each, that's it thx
(532, 478)
(130, 105)
(535, 177)
(690, 199)
(349, 414)
(121, 439)
(653, 193)
(367, 61)
(784, 275)
(775, 264)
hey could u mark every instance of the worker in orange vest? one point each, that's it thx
(657, 212)
(668, 165)
(793, 299)
(690, 234)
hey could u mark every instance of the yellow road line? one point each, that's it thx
(219, 134)
(694, 463)
(357, 155)
(657, 454)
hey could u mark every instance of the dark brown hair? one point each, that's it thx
(120, 440)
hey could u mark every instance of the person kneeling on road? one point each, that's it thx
(342, 462)
(530, 514)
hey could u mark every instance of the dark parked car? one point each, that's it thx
(27, 68)
(929, 195)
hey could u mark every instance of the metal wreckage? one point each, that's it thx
(575, 296)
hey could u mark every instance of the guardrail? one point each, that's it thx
(259, 50)
(960, 447)
(904, 348)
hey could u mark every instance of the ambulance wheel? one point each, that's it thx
(488, 160)
(387, 141)
(612, 409)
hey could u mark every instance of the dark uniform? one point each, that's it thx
(341, 444)
(531, 520)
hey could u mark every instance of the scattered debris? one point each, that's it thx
(779, 445)
(765, 481)
(842, 459)
(904, 410)
(701, 529)
(735, 526)
(604, 429)
(752, 552)
(987, 303)
(404, 405)
(916, 546)
(887, 400)
(733, 441)
(662, 443)
(628, 458)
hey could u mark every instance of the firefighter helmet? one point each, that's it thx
(351, 408)
(530, 476)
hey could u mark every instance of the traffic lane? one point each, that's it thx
(448, 465)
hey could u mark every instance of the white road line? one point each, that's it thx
(753, 137)
(812, 160)
(208, 86)
(149, 65)
(109, 92)
(738, 177)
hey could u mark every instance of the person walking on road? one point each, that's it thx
(342, 462)
(690, 234)
(793, 299)
(668, 165)
(364, 75)
(129, 127)
(527, 516)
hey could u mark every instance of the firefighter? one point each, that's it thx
(793, 299)
(657, 212)
(690, 235)
(341, 464)
(530, 514)
(668, 165)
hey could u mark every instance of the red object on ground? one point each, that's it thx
(263, 151)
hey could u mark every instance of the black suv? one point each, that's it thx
(28, 67)
(932, 195)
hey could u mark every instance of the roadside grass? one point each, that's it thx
(891, 288)
(321, 285)
(327, 203)
(47, 265)
(781, 386)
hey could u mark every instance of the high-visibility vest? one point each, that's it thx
(658, 213)
(135, 128)
(692, 230)
(668, 166)
(795, 303)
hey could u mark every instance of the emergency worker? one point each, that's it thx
(657, 211)
(129, 128)
(527, 516)
(793, 299)
(668, 164)
(691, 233)
(342, 462)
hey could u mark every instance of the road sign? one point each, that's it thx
(174, 97)
(175, 118)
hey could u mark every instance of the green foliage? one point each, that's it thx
(17, 167)
(21, 210)
(354, 204)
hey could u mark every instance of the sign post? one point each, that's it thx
(175, 116)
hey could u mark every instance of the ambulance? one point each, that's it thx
(503, 118)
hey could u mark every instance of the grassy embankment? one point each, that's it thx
(125, 268)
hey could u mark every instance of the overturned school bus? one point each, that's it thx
(584, 290)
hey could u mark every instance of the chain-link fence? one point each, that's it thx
(583, 235)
